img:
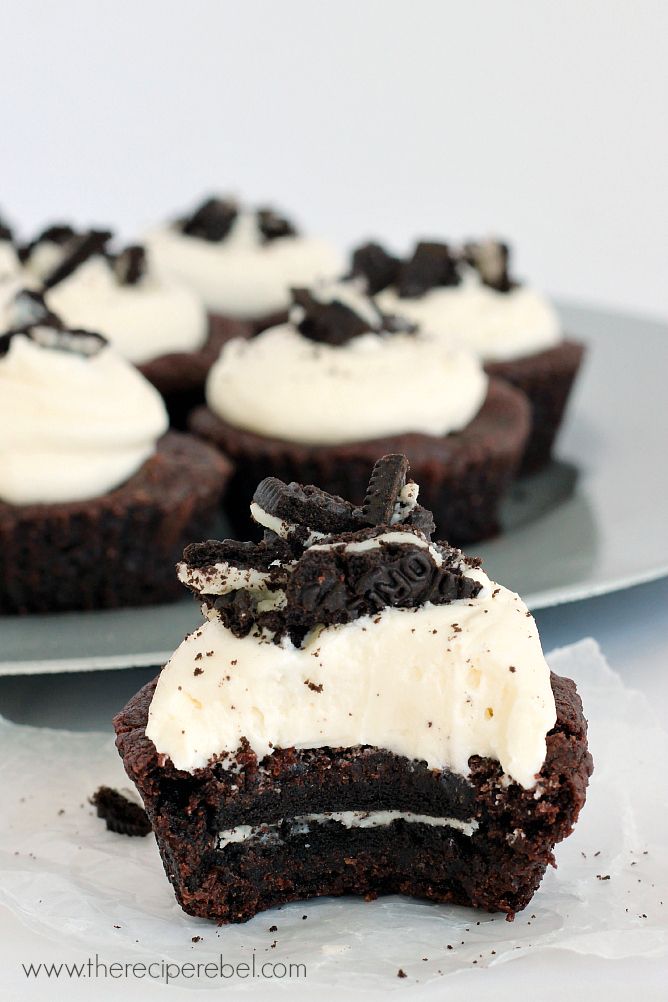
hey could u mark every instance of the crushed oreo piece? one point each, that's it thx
(422, 519)
(491, 259)
(273, 226)
(333, 323)
(212, 220)
(388, 478)
(339, 584)
(59, 234)
(76, 251)
(129, 265)
(306, 508)
(246, 555)
(324, 561)
(48, 335)
(432, 264)
(120, 814)
(376, 266)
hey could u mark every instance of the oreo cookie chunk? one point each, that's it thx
(491, 259)
(52, 335)
(388, 478)
(120, 814)
(301, 514)
(391, 500)
(76, 251)
(212, 220)
(369, 571)
(432, 264)
(59, 234)
(325, 561)
(217, 568)
(376, 266)
(240, 582)
(129, 265)
(273, 226)
(334, 314)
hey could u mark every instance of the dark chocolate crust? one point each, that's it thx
(497, 868)
(181, 375)
(462, 476)
(117, 549)
(546, 379)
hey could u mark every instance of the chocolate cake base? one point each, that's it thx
(180, 376)
(117, 549)
(497, 867)
(462, 476)
(546, 379)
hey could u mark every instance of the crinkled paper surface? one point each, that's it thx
(67, 877)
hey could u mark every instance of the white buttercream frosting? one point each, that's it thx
(303, 823)
(284, 385)
(242, 276)
(10, 266)
(438, 683)
(43, 258)
(72, 427)
(144, 320)
(497, 326)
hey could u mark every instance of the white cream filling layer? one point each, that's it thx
(241, 276)
(284, 385)
(72, 427)
(303, 823)
(438, 684)
(385, 539)
(142, 321)
(497, 326)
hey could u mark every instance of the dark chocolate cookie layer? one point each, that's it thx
(546, 379)
(462, 476)
(118, 549)
(497, 868)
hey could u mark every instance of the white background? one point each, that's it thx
(535, 119)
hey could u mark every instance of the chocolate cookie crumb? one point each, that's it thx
(120, 814)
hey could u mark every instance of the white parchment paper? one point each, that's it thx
(67, 877)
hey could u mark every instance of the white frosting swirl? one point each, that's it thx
(438, 683)
(151, 318)
(9, 263)
(284, 385)
(241, 276)
(497, 326)
(72, 427)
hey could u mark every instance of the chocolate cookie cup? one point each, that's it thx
(546, 379)
(462, 476)
(118, 549)
(96, 499)
(468, 294)
(362, 711)
(345, 382)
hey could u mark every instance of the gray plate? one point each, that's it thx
(591, 523)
